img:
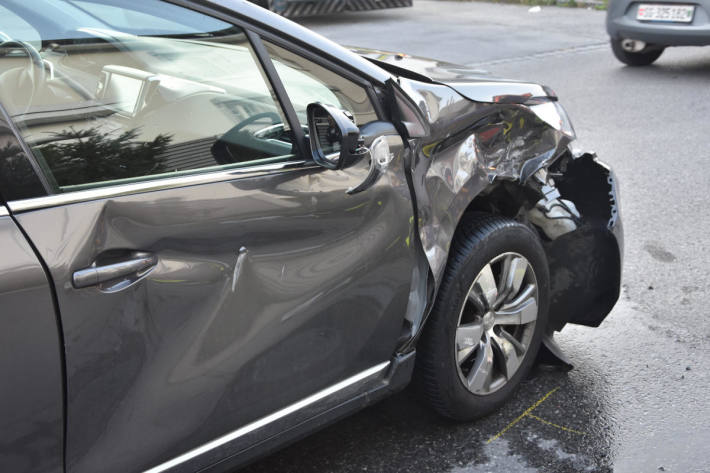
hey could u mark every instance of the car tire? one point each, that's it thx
(441, 377)
(643, 58)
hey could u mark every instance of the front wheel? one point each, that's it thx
(488, 320)
(642, 58)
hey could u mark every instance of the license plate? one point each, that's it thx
(655, 12)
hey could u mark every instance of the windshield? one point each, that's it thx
(62, 19)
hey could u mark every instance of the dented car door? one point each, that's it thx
(208, 273)
(261, 291)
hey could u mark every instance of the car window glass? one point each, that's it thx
(101, 106)
(307, 82)
(15, 28)
(150, 17)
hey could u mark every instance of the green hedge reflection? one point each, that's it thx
(17, 178)
(86, 156)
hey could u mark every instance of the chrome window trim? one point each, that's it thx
(3, 211)
(56, 200)
(264, 421)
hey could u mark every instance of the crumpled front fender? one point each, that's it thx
(469, 146)
(463, 149)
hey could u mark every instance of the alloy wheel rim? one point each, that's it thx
(496, 323)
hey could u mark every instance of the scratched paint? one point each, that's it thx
(242, 254)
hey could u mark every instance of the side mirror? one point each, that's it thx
(334, 138)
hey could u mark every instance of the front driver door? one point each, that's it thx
(206, 271)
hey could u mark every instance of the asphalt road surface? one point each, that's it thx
(637, 399)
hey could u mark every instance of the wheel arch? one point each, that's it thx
(495, 157)
(585, 265)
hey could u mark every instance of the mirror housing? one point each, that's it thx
(334, 138)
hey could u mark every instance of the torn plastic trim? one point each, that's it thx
(554, 215)
(614, 211)
(534, 165)
(551, 353)
(585, 264)
(577, 214)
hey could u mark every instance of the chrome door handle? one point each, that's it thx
(137, 265)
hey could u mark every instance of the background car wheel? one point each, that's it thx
(643, 58)
(488, 320)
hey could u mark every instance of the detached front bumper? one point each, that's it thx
(586, 265)
(621, 23)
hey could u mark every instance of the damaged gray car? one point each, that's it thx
(221, 231)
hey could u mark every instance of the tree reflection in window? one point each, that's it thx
(17, 178)
(87, 156)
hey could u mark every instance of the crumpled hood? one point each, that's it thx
(473, 84)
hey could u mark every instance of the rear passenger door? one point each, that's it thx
(207, 272)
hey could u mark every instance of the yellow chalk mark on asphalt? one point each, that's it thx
(566, 429)
(522, 416)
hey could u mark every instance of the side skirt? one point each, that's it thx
(296, 421)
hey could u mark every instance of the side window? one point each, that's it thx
(306, 82)
(101, 104)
